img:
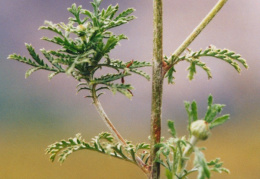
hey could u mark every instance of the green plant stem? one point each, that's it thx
(105, 118)
(114, 131)
(186, 154)
(196, 32)
(188, 173)
(157, 86)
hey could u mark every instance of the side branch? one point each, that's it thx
(105, 118)
(116, 134)
(196, 32)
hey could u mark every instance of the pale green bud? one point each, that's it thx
(81, 27)
(200, 129)
(82, 31)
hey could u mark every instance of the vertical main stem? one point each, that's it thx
(157, 86)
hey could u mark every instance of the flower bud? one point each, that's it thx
(81, 27)
(82, 31)
(200, 129)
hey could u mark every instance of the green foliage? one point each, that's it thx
(201, 165)
(103, 143)
(171, 127)
(216, 166)
(191, 109)
(210, 117)
(170, 76)
(108, 78)
(193, 58)
(175, 152)
(172, 152)
(131, 66)
(84, 55)
(121, 88)
(220, 120)
(204, 168)
(174, 157)
(36, 62)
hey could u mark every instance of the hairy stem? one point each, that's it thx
(157, 85)
(186, 154)
(197, 31)
(105, 118)
(114, 131)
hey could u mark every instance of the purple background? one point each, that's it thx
(37, 112)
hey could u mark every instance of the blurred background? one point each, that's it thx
(36, 112)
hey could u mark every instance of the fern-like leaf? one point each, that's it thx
(224, 54)
(137, 64)
(109, 12)
(118, 22)
(170, 76)
(61, 55)
(52, 27)
(194, 59)
(201, 164)
(66, 43)
(121, 88)
(108, 78)
(49, 57)
(34, 55)
(30, 71)
(211, 115)
(51, 75)
(76, 12)
(83, 55)
(125, 13)
(22, 59)
(139, 72)
(112, 42)
(192, 69)
(103, 143)
(216, 165)
(37, 63)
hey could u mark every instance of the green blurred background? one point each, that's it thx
(37, 112)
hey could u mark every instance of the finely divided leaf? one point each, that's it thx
(121, 88)
(139, 72)
(216, 166)
(220, 120)
(125, 13)
(52, 27)
(189, 112)
(103, 143)
(109, 78)
(171, 127)
(30, 71)
(194, 111)
(22, 59)
(112, 42)
(51, 60)
(83, 55)
(170, 76)
(213, 111)
(192, 70)
(76, 12)
(194, 59)
(201, 164)
(138, 64)
(34, 55)
(51, 75)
